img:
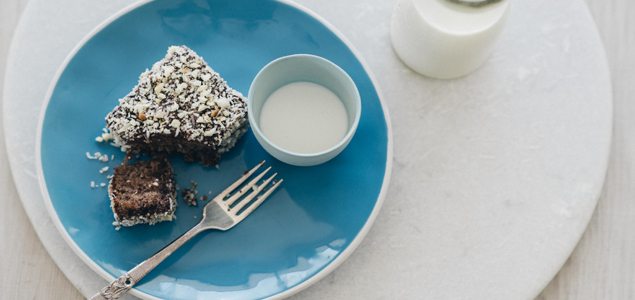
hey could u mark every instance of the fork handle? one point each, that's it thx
(125, 282)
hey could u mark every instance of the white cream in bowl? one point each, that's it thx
(304, 117)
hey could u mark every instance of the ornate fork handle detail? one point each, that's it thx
(116, 288)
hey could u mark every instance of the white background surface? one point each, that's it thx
(601, 268)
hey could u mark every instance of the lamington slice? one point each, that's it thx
(143, 192)
(180, 105)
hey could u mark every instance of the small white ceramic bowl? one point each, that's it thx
(308, 68)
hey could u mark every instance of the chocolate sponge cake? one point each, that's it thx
(181, 106)
(143, 192)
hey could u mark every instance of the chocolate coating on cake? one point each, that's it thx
(180, 105)
(143, 192)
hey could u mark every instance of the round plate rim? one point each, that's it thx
(284, 294)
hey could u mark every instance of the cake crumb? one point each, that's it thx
(97, 156)
(93, 156)
(92, 184)
(105, 136)
(190, 194)
(103, 170)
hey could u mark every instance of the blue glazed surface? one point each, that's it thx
(300, 230)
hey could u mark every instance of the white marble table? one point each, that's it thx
(601, 267)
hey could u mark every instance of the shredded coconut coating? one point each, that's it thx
(180, 97)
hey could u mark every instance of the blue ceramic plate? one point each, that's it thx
(301, 233)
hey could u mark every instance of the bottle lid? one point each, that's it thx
(474, 3)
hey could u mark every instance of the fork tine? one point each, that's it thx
(259, 201)
(251, 195)
(245, 188)
(238, 182)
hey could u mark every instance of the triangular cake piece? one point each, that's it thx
(180, 105)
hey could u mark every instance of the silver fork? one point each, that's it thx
(222, 213)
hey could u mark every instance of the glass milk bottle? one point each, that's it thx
(446, 38)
